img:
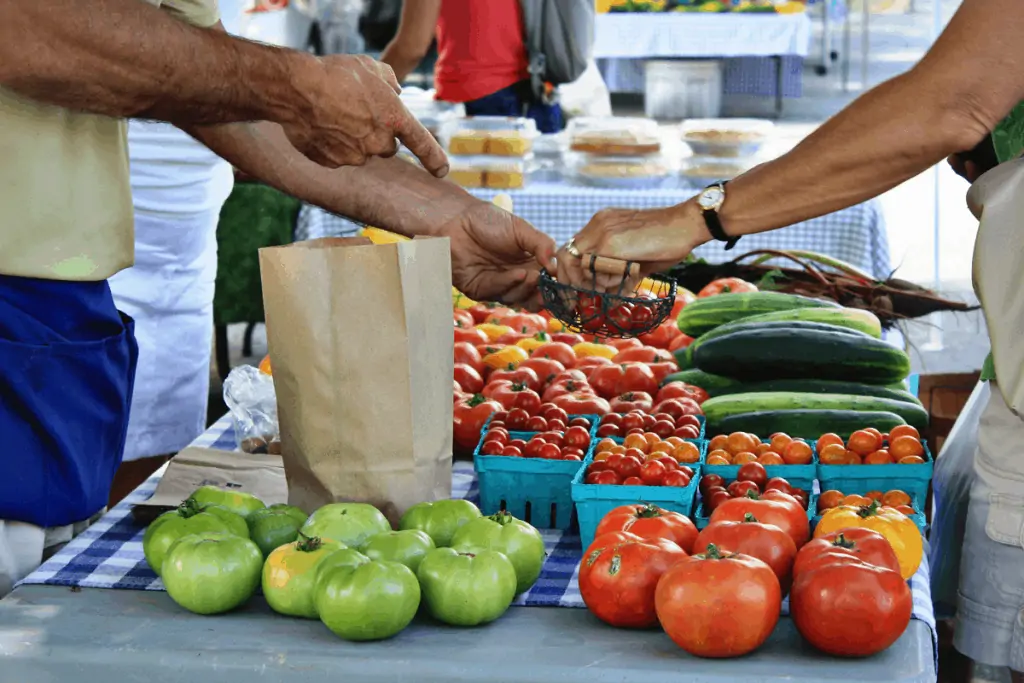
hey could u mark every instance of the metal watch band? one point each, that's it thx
(714, 223)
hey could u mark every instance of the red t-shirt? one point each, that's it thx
(481, 48)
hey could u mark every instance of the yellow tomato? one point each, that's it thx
(555, 326)
(378, 236)
(898, 529)
(506, 357)
(265, 366)
(290, 572)
(590, 349)
(494, 332)
(460, 300)
(533, 342)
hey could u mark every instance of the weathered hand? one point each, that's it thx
(497, 256)
(656, 239)
(352, 112)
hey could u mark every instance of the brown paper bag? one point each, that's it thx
(260, 475)
(361, 349)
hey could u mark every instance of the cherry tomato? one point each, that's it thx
(663, 428)
(536, 424)
(577, 437)
(648, 421)
(611, 419)
(688, 421)
(518, 443)
(580, 422)
(572, 451)
(739, 489)
(492, 448)
(549, 451)
(609, 430)
(512, 452)
(632, 481)
(687, 470)
(710, 480)
(753, 472)
(497, 434)
(777, 484)
(632, 421)
(677, 478)
(552, 437)
(517, 419)
(622, 316)
(606, 477)
(715, 499)
(550, 411)
(652, 472)
(556, 426)
(533, 447)
(668, 461)
(572, 456)
(629, 466)
(687, 432)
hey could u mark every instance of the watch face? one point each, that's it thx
(711, 198)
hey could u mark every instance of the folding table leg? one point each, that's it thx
(779, 79)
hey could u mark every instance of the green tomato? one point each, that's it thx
(372, 601)
(350, 523)
(289, 576)
(236, 523)
(297, 513)
(517, 540)
(440, 519)
(467, 589)
(408, 547)
(274, 527)
(213, 572)
(346, 557)
(187, 519)
(239, 502)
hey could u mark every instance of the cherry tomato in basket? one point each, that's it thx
(512, 452)
(739, 489)
(497, 434)
(605, 477)
(652, 472)
(555, 426)
(609, 430)
(549, 411)
(518, 443)
(629, 466)
(580, 422)
(549, 451)
(536, 424)
(668, 461)
(753, 472)
(663, 428)
(533, 447)
(677, 478)
(492, 448)
(621, 316)
(517, 420)
(711, 480)
(577, 437)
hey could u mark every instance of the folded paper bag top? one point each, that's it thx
(361, 343)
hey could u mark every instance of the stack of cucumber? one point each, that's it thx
(775, 362)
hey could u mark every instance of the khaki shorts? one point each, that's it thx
(23, 547)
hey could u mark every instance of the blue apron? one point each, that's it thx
(67, 369)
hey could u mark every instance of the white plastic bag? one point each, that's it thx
(250, 397)
(951, 488)
(587, 95)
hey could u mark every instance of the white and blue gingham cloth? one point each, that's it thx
(856, 235)
(109, 553)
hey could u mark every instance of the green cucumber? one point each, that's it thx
(719, 408)
(713, 384)
(852, 318)
(704, 315)
(766, 354)
(815, 386)
(745, 325)
(808, 423)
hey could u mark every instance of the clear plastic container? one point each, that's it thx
(492, 172)
(702, 171)
(432, 113)
(726, 137)
(638, 172)
(614, 136)
(489, 135)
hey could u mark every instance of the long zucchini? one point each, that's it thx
(813, 386)
(721, 407)
(808, 423)
(704, 315)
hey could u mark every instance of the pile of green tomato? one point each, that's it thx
(344, 564)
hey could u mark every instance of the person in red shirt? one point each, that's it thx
(482, 59)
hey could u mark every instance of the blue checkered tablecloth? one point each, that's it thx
(109, 553)
(740, 75)
(856, 235)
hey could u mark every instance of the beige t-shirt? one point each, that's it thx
(65, 199)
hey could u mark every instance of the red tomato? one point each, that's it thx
(637, 377)
(545, 368)
(632, 400)
(688, 421)
(611, 538)
(549, 451)
(663, 428)
(468, 378)
(588, 364)
(466, 352)
(726, 285)
(552, 412)
(517, 420)
(511, 451)
(497, 434)
(618, 580)
(469, 417)
(680, 342)
(652, 472)
(492, 448)
(570, 338)
(470, 335)
(662, 335)
(621, 316)
(715, 498)
(463, 318)
(623, 344)
(556, 389)
(632, 481)
(668, 461)
(697, 602)
(581, 403)
(526, 323)
(766, 542)
(642, 318)
(680, 390)
(740, 489)
(605, 380)
(663, 370)
(710, 480)
(536, 424)
(628, 466)
(577, 437)
(676, 478)
(649, 522)
(606, 430)
(678, 407)
(557, 351)
(778, 484)
(858, 543)
(787, 516)
(850, 608)
(575, 375)
(644, 354)
(533, 447)
(517, 375)
(753, 472)
(632, 421)
(604, 477)
(483, 313)
(526, 399)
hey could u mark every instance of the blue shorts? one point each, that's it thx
(67, 369)
(515, 100)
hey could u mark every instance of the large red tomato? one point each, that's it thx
(468, 378)
(860, 543)
(558, 351)
(618, 580)
(609, 539)
(546, 368)
(485, 313)
(588, 364)
(525, 323)
(516, 375)
(719, 604)
(789, 517)
(680, 390)
(471, 335)
(680, 342)
(766, 542)
(850, 608)
(726, 285)
(566, 386)
(661, 336)
(650, 521)
(644, 354)
(469, 418)
(631, 400)
(462, 318)
(467, 353)
(582, 403)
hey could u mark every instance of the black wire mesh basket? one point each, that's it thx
(629, 311)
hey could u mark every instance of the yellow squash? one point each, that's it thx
(898, 529)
